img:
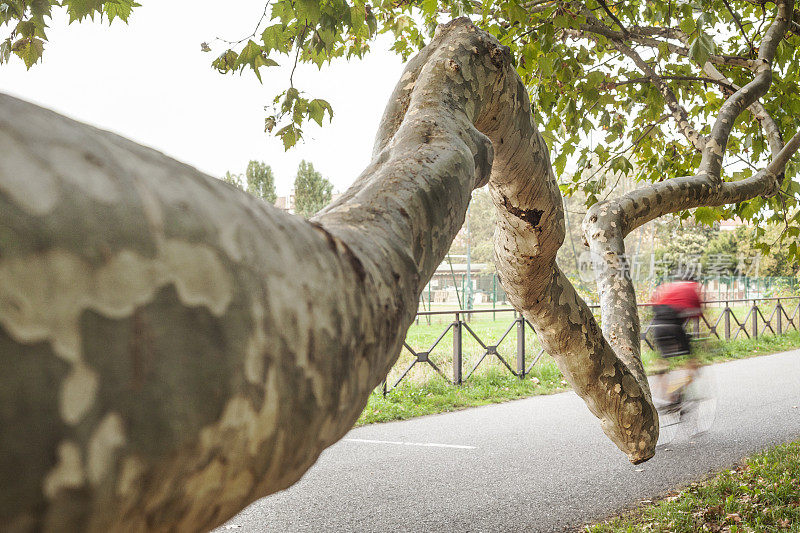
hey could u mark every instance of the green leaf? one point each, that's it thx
(663, 50)
(5, 51)
(307, 10)
(26, 28)
(315, 112)
(702, 48)
(275, 38)
(430, 7)
(29, 50)
(119, 9)
(687, 25)
(225, 62)
(372, 24)
(595, 78)
(248, 55)
(289, 135)
(707, 215)
(80, 9)
(317, 108)
(357, 18)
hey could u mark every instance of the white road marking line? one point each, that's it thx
(424, 444)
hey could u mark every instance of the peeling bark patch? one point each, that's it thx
(27, 393)
(427, 134)
(103, 445)
(78, 392)
(42, 295)
(68, 473)
(141, 350)
(190, 376)
(531, 216)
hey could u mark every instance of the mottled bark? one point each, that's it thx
(174, 349)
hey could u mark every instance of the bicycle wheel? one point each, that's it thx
(700, 401)
(669, 420)
(668, 400)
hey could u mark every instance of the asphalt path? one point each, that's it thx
(538, 464)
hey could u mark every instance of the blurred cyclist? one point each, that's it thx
(673, 303)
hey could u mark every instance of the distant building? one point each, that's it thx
(286, 202)
(731, 224)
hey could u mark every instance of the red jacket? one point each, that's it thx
(683, 296)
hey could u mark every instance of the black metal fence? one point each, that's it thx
(720, 320)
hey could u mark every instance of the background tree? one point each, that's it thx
(261, 181)
(257, 180)
(312, 192)
(482, 221)
(682, 254)
(233, 179)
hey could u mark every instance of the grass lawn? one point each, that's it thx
(763, 494)
(424, 392)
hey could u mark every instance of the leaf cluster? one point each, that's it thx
(307, 31)
(28, 22)
(601, 115)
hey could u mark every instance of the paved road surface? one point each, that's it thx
(539, 464)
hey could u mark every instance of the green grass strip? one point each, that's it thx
(761, 495)
(498, 385)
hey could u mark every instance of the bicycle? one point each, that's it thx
(685, 397)
(689, 403)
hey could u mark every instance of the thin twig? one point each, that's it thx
(679, 78)
(613, 17)
(741, 28)
(255, 31)
(746, 162)
(299, 40)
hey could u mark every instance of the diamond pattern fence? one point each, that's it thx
(467, 343)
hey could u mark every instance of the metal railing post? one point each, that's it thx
(755, 319)
(779, 312)
(457, 350)
(521, 346)
(727, 312)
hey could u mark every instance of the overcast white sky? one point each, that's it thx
(150, 82)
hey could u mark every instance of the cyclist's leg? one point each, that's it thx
(660, 380)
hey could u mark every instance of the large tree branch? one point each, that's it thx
(760, 113)
(179, 349)
(711, 163)
(703, 79)
(189, 348)
(768, 124)
(607, 223)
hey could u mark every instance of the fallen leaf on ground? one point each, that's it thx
(734, 517)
